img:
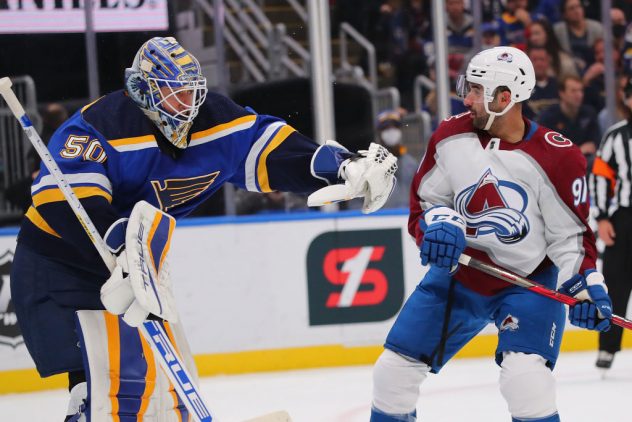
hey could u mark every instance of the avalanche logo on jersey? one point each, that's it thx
(510, 323)
(493, 206)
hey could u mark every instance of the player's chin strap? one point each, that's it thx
(494, 114)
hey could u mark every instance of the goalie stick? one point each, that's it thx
(535, 287)
(152, 331)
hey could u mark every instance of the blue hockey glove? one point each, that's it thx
(595, 309)
(444, 238)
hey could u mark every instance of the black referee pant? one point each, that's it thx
(617, 270)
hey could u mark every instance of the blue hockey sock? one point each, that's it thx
(379, 416)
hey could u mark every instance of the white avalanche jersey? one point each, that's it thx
(525, 204)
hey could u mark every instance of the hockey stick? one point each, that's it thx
(531, 285)
(153, 332)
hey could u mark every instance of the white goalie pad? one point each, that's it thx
(124, 377)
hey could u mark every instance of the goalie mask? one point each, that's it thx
(499, 67)
(166, 82)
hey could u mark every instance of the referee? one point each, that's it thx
(611, 191)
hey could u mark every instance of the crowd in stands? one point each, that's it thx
(563, 38)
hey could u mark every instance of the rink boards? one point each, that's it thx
(272, 292)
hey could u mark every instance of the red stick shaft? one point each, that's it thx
(535, 287)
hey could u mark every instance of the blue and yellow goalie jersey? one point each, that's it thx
(114, 156)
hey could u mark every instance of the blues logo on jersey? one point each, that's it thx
(494, 206)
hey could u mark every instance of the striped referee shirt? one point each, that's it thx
(611, 178)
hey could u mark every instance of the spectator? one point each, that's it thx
(621, 110)
(492, 9)
(627, 51)
(399, 57)
(389, 129)
(53, 115)
(460, 33)
(571, 118)
(546, 9)
(541, 35)
(545, 93)
(619, 25)
(391, 36)
(389, 133)
(19, 192)
(593, 7)
(577, 34)
(610, 172)
(594, 76)
(490, 37)
(430, 100)
(460, 28)
(513, 22)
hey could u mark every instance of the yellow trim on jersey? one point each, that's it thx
(26, 380)
(262, 167)
(132, 141)
(224, 126)
(114, 356)
(56, 195)
(37, 219)
(87, 106)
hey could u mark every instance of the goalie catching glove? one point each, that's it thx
(369, 174)
(595, 309)
(140, 284)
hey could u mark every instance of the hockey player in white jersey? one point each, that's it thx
(506, 191)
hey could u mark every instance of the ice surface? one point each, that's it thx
(465, 390)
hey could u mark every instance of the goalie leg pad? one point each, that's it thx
(528, 386)
(396, 381)
(123, 376)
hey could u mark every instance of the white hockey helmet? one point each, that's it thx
(161, 73)
(499, 67)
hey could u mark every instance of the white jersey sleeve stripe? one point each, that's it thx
(99, 179)
(255, 152)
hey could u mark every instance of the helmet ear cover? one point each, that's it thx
(137, 87)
